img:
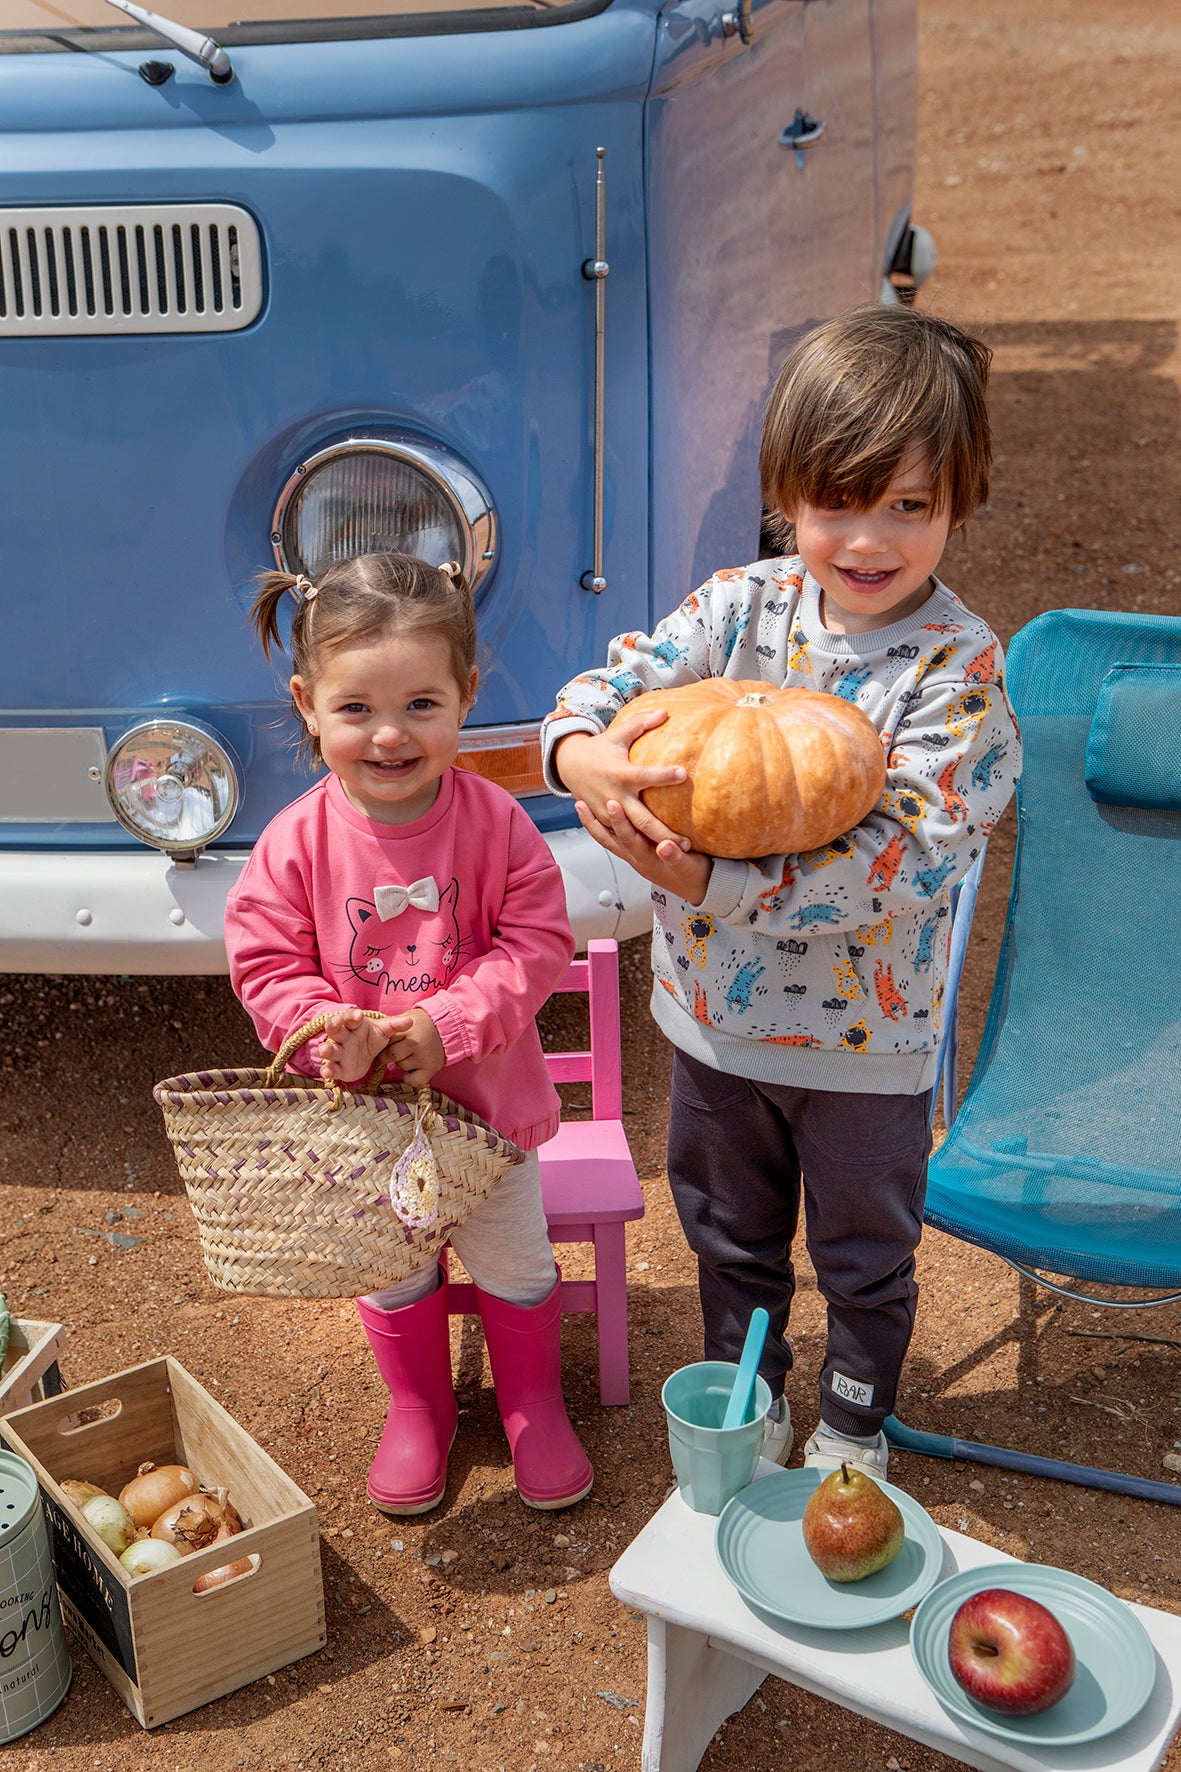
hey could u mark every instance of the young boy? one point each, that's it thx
(802, 993)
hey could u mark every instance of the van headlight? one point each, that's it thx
(173, 784)
(376, 495)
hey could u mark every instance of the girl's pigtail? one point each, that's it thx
(264, 612)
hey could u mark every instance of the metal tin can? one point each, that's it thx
(35, 1666)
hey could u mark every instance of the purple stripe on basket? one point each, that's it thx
(223, 1096)
(381, 1157)
(205, 1078)
(312, 1156)
(356, 1174)
(288, 1149)
(265, 1145)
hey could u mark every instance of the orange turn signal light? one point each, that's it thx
(508, 755)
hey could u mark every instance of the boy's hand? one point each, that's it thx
(352, 1042)
(596, 769)
(666, 863)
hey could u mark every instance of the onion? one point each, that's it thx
(155, 1487)
(228, 1571)
(193, 1523)
(78, 1491)
(111, 1520)
(147, 1555)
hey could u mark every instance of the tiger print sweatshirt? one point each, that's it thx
(825, 970)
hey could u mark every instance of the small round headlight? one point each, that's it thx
(173, 784)
(373, 495)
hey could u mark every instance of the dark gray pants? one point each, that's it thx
(740, 1156)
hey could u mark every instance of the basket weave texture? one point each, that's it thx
(290, 1179)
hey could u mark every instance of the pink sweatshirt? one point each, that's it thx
(313, 922)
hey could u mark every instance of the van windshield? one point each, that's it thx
(52, 24)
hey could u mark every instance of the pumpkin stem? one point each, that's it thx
(750, 701)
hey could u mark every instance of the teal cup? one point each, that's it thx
(712, 1462)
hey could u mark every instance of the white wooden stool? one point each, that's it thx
(708, 1653)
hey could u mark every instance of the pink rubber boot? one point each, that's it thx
(412, 1348)
(550, 1467)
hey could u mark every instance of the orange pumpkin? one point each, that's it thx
(768, 771)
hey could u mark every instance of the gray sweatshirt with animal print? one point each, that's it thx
(825, 970)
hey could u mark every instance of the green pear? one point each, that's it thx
(851, 1527)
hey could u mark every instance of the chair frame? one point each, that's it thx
(600, 1065)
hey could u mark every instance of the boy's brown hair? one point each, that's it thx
(862, 391)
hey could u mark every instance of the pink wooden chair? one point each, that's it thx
(589, 1185)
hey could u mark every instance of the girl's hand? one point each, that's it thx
(665, 863)
(414, 1045)
(596, 769)
(349, 1045)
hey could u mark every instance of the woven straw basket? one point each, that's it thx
(290, 1179)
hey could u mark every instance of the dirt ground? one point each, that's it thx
(1050, 175)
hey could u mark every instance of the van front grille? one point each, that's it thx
(169, 267)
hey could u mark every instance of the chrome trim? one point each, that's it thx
(468, 497)
(596, 270)
(736, 21)
(128, 268)
(148, 728)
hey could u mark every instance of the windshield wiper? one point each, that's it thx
(204, 50)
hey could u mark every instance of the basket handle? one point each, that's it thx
(303, 1034)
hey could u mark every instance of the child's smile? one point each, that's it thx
(387, 715)
(874, 566)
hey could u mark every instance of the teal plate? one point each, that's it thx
(760, 1545)
(1115, 1663)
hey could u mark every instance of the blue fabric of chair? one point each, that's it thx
(1066, 1153)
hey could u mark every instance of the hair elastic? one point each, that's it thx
(450, 569)
(303, 589)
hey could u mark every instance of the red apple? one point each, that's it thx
(1010, 1653)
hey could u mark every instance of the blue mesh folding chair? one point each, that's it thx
(1065, 1157)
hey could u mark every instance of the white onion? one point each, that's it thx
(111, 1520)
(147, 1555)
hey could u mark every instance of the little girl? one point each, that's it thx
(401, 883)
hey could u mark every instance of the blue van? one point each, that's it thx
(321, 281)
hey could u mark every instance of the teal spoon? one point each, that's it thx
(748, 1365)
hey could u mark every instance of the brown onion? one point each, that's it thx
(228, 1571)
(154, 1488)
(79, 1491)
(192, 1523)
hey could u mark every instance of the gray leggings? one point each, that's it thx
(504, 1245)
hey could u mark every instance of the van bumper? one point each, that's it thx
(135, 912)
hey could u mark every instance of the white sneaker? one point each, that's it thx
(825, 1452)
(778, 1434)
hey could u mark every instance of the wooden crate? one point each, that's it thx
(164, 1648)
(30, 1369)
